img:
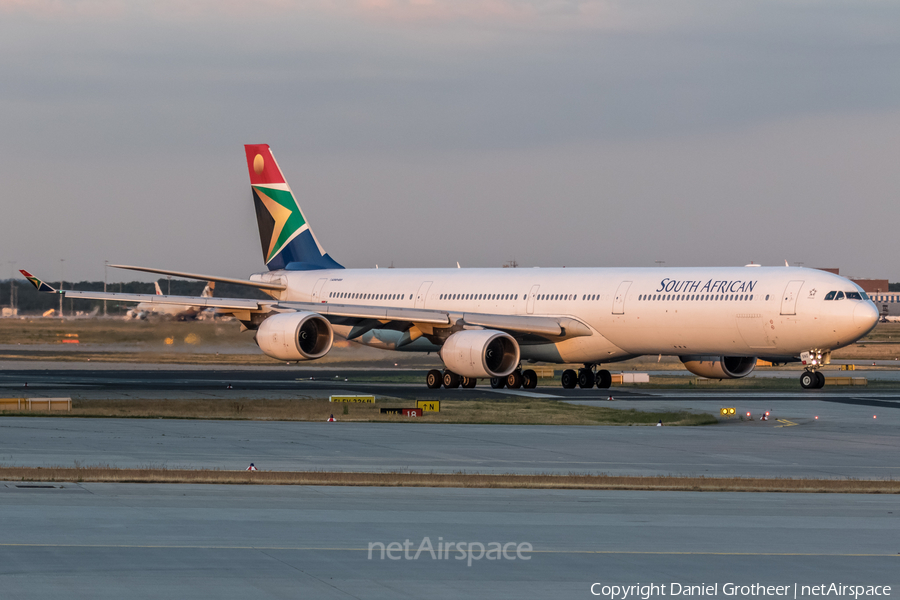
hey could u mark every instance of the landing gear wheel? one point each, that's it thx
(433, 379)
(468, 382)
(514, 380)
(820, 380)
(809, 380)
(585, 378)
(451, 380)
(529, 379)
(604, 379)
(569, 379)
(498, 382)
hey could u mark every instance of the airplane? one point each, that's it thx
(489, 323)
(180, 312)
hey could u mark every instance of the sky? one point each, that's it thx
(420, 133)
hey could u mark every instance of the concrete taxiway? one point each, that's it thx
(118, 541)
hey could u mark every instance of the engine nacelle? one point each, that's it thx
(719, 367)
(480, 353)
(295, 336)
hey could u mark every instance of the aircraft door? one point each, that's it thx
(317, 290)
(529, 305)
(789, 298)
(422, 293)
(619, 301)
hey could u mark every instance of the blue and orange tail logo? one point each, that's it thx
(287, 241)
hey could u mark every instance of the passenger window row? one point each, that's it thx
(695, 297)
(479, 297)
(563, 297)
(549, 297)
(366, 296)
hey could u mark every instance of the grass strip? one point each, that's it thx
(448, 480)
(493, 410)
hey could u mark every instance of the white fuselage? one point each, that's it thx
(770, 312)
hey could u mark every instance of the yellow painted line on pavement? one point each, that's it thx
(785, 423)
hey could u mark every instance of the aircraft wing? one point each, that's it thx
(224, 303)
(519, 326)
(516, 325)
(381, 313)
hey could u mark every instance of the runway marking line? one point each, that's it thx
(523, 394)
(785, 423)
(326, 548)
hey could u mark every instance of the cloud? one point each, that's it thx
(489, 112)
(526, 14)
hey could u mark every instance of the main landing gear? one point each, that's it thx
(517, 379)
(450, 380)
(812, 380)
(585, 378)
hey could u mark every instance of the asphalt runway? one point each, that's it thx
(83, 381)
(122, 542)
(206, 541)
(832, 433)
(759, 449)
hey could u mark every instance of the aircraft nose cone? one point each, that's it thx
(865, 315)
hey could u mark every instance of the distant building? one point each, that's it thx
(870, 286)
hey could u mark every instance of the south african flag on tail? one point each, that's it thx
(40, 285)
(287, 240)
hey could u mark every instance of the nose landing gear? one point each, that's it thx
(812, 378)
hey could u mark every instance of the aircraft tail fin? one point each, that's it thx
(287, 240)
(37, 283)
(158, 289)
(208, 290)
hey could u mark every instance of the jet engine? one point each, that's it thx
(295, 336)
(719, 367)
(480, 353)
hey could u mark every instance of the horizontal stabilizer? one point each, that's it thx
(257, 284)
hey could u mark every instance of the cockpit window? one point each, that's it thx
(830, 295)
(840, 296)
(854, 296)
